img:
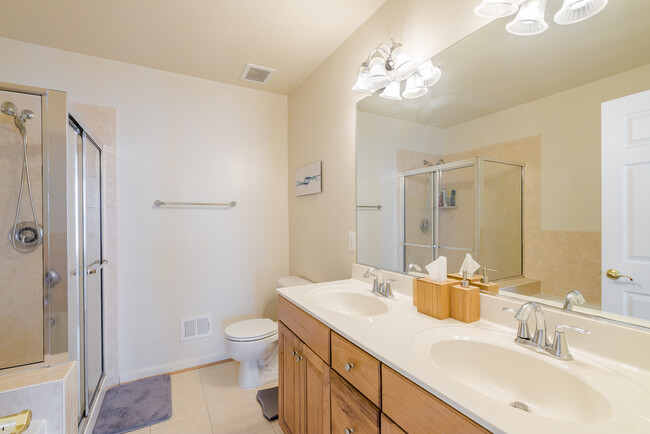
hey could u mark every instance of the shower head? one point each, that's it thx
(426, 163)
(26, 114)
(9, 108)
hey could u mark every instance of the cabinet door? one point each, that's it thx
(351, 411)
(290, 382)
(316, 392)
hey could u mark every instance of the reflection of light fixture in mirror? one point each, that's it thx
(427, 75)
(496, 8)
(413, 88)
(386, 67)
(574, 11)
(529, 20)
(392, 91)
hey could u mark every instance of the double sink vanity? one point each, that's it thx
(355, 362)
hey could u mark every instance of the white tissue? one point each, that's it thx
(469, 265)
(438, 269)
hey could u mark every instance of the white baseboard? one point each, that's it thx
(171, 367)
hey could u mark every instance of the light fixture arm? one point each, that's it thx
(381, 48)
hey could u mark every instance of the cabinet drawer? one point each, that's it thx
(350, 409)
(358, 367)
(311, 331)
(389, 427)
(416, 410)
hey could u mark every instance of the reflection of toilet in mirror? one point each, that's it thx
(254, 344)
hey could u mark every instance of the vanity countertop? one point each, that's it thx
(392, 338)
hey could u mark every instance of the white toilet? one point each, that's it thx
(254, 344)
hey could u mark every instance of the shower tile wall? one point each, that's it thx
(21, 275)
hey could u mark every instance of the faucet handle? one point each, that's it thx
(560, 349)
(562, 328)
(522, 329)
(388, 292)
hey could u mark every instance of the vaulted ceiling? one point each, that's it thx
(207, 39)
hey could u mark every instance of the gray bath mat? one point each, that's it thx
(268, 399)
(135, 405)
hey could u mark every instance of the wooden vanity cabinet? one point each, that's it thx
(365, 396)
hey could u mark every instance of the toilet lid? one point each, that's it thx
(251, 329)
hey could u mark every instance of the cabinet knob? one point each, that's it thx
(349, 431)
(347, 367)
(294, 352)
(298, 358)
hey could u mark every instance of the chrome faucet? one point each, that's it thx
(413, 267)
(573, 298)
(378, 279)
(540, 342)
(540, 338)
(379, 287)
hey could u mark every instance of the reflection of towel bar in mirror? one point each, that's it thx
(369, 207)
(160, 203)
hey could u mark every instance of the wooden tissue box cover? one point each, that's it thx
(434, 298)
(489, 287)
(458, 276)
(465, 303)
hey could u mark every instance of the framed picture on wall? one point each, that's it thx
(308, 179)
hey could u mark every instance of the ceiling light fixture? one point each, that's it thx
(386, 67)
(496, 8)
(574, 11)
(530, 19)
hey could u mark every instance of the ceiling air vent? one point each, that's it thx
(256, 74)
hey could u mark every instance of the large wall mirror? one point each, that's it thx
(502, 159)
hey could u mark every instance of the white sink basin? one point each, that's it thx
(490, 363)
(348, 301)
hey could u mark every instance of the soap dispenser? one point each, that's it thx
(465, 301)
(484, 284)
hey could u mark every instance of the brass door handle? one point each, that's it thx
(615, 274)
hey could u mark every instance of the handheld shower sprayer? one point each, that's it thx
(10, 109)
(26, 236)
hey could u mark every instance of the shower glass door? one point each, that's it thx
(90, 261)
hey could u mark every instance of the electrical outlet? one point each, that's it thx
(352, 240)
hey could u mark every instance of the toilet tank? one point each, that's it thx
(285, 281)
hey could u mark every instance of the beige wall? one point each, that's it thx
(322, 126)
(569, 126)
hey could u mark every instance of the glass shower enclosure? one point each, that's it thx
(51, 278)
(471, 206)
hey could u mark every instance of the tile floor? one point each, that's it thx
(208, 400)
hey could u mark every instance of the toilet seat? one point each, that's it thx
(251, 330)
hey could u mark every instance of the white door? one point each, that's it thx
(626, 204)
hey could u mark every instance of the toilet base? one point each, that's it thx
(252, 376)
